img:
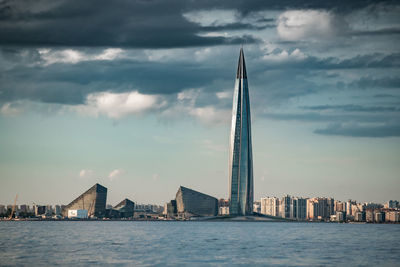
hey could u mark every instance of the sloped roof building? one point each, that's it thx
(194, 203)
(93, 200)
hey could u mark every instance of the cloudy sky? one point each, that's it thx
(137, 95)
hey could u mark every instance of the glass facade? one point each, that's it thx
(195, 203)
(240, 154)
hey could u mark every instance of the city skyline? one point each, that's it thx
(143, 108)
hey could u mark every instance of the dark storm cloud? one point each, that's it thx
(124, 23)
(71, 83)
(236, 26)
(246, 7)
(143, 24)
(67, 83)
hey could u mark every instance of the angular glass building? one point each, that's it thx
(93, 200)
(240, 149)
(193, 203)
(125, 208)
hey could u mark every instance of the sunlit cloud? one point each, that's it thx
(73, 56)
(299, 24)
(86, 173)
(115, 174)
(118, 105)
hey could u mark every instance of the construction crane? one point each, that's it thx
(13, 207)
(91, 209)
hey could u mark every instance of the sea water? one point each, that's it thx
(174, 243)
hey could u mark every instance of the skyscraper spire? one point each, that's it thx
(241, 70)
(240, 150)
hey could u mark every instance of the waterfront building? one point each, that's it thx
(257, 206)
(192, 203)
(298, 208)
(93, 200)
(349, 207)
(371, 205)
(293, 208)
(125, 208)
(57, 210)
(223, 210)
(359, 216)
(330, 202)
(284, 207)
(379, 217)
(340, 216)
(319, 208)
(77, 214)
(223, 206)
(240, 149)
(355, 208)
(392, 204)
(148, 208)
(3, 210)
(270, 206)
(49, 210)
(339, 206)
(369, 215)
(170, 209)
(392, 216)
(39, 210)
(23, 208)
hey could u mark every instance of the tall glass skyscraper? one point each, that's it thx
(240, 150)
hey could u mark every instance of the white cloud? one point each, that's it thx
(71, 56)
(300, 24)
(63, 56)
(185, 105)
(210, 115)
(117, 105)
(166, 55)
(215, 17)
(285, 56)
(189, 96)
(85, 173)
(10, 109)
(109, 54)
(115, 174)
(223, 95)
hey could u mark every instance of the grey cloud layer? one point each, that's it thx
(278, 76)
(143, 24)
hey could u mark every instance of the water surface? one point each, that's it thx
(198, 243)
